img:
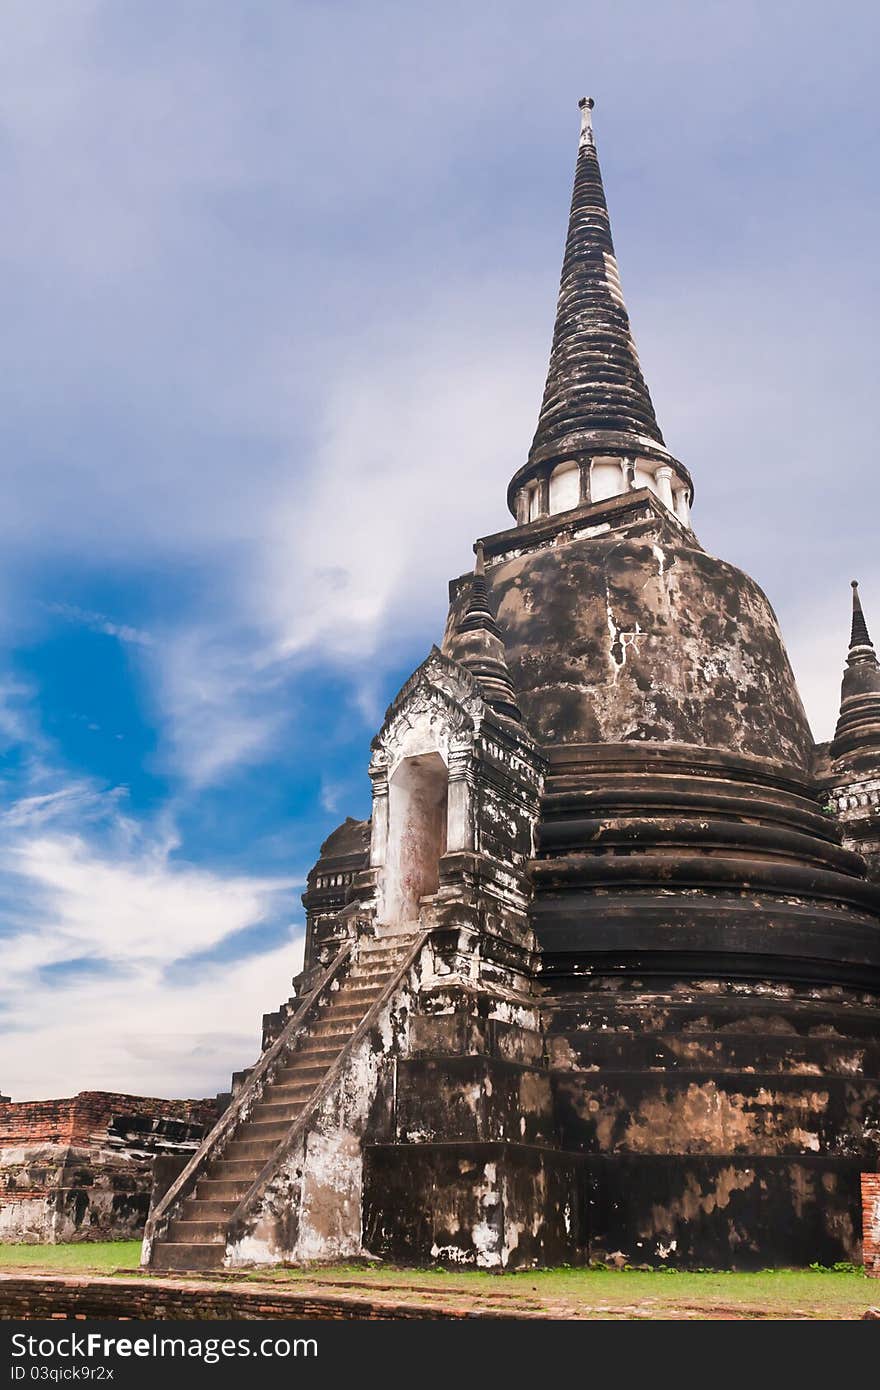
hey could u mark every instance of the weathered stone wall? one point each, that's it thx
(344, 853)
(856, 803)
(635, 633)
(80, 1168)
(871, 1222)
(849, 787)
(487, 1205)
(81, 1116)
(721, 1124)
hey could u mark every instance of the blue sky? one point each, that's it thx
(278, 285)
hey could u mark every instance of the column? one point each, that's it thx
(544, 495)
(663, 479)
(379, 830)
(626, 475)
(522, 506)
(682, 506)
(586, 467)
(459, 809)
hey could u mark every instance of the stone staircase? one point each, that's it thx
(196, 1237)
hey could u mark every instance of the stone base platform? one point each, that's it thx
(143, 1298)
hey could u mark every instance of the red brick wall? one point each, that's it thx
(30, 1296)
(77, 1118)
(871, 1221)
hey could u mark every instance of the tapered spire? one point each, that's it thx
(859, 636)
(858, 727)
(479, 610)
(477, 644)
(594, 381)
(596, 402)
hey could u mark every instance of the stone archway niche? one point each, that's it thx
(417, 806)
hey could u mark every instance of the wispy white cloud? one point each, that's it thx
(352, 551)
(73, 802)
(17, 723)
(219, 702)
(123, 911)
(143, 907)
(415, 451)
(331, 794)
(99, 622)
(134, 1032)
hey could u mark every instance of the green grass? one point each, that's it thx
(98, 1258)
(779, 1289)
(776, 1292)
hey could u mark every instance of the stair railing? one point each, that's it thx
(305, 1116)
(214, 1143)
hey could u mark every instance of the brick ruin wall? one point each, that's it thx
(81, 1168)
(871, 1222)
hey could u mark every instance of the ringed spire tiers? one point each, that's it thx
(597, 419)
(859, 635)
(858, 727)
(478, 645)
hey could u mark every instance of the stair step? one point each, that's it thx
(294, 1076)
(250, 1149)
(389, 941)
(242, 1169)
(329, 1028)
(342, 1000)
(329, 1037)
(201, 1209)
(187, 1255)
(198, 1232)
(277, 1105)
(293, 1093)
(308, 1071)
(325, 1055)
(216, 1190)
(271, 1126)
(389, 937)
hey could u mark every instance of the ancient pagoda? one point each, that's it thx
(600, 976)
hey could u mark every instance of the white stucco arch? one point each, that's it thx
(417, 806)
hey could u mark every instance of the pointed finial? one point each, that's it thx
(586, 105)
(858, 728)
(859, 637)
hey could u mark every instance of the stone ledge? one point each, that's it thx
(38, 1296)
